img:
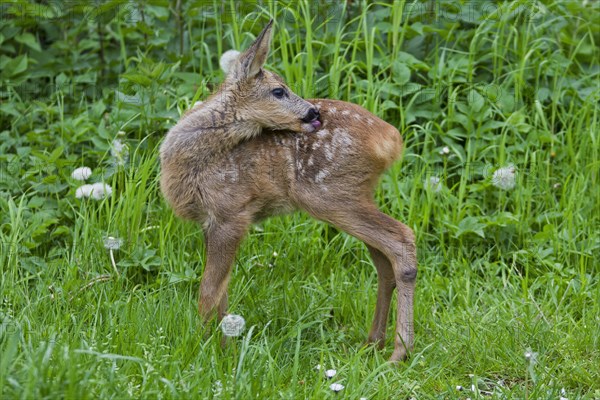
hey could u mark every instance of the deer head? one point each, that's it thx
(262, 97)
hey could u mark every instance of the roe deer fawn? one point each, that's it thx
(254, 149)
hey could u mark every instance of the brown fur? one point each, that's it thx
(240, 157)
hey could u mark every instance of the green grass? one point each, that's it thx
(501, 272)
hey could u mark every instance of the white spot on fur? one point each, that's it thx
(370, 121)
(310, 161)
(333, 110)
(323, 133)
(345, 112)
(321, 176)
(328, 153)
(341, 139)
(356, 116)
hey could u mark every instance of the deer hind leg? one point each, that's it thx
(386, 283)
(396, 242)
(222, 241)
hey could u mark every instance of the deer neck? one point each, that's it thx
(224, 119)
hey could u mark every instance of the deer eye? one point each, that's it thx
(278, 92)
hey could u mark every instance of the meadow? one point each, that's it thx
(498, 106)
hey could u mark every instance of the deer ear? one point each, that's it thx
(252, 60)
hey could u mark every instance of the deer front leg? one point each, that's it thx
(386, 283)
(222, 241)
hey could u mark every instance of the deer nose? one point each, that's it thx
(312, 115)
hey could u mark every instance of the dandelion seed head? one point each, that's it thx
(113, 243)
(81, 173)
(227, 60)
(119, 151)
(233, 325)
(100, 190)
(336, 387)
(330, 373)
(433, 183)
(83, 191)
(504, 178)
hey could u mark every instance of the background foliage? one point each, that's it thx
(501, 84)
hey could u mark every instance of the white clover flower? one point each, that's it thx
(330, 373)
(227, 60)
(336, 387)
(445, 150)
(100, 190)
(233, 325)
(433, 183)
(81, 173)
(119, 151)
(112, 243)
(83, 191)
(504, 178)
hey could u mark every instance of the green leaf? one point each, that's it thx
(476, 101)
(400, 72)
(470, 225)
(15, 66)
(138, 78)
(28, 40)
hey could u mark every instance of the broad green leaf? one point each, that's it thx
(28, 40)
(400, 72)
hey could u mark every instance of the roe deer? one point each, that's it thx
(255, 149)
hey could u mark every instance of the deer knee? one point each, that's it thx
(408, 274)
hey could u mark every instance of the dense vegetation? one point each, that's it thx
(497, 103)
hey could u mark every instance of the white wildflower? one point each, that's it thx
(445, 150)
(227, 60)
(318, 367)
(100, 190)
(112, 243)
(459, 388)
(217, 388)
(81, 173)
(433, 183)
(83, 191)
(531, 356)
(275, 254)
(119, 151)
(336, 387)
(233, 325)
(330, 373)
(504, 178)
